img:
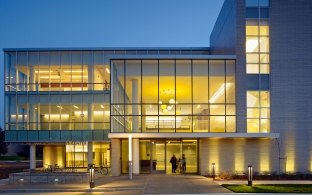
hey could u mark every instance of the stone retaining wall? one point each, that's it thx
(52, 178)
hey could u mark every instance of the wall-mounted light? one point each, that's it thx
(107, 70)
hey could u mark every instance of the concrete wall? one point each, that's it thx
(232, 156)
(223, 35)
(291, 80)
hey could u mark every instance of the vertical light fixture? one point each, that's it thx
(250, 175)
(213, 168)
(130, 156)
(91, 175)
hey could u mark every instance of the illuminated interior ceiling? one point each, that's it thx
(67, 73)
(183, 88)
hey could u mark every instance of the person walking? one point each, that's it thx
(173, 162)
(183, 164)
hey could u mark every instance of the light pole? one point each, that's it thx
(213, 168)
(91, 175)
(249, 175)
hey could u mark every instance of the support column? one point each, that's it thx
(38, 117)
(90, 153)
(16, 81)
(32, 157)
(32, 79)
(116, 157)
(90, 116)
(90, 77)
(32, 117)
(136, 156)
(135, 106)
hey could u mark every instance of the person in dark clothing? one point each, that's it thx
(173, 162)
(183, 163)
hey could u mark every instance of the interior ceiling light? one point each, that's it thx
(107, 70)
(60, 107)
(75, 106)
(160, 102)
(198, 106)
(102, 106)
(69, 71)
(50, 77)
(171, 101)
(43, 71)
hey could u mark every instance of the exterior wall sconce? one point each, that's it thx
(250, 175)
(91, 175)
(213, 168)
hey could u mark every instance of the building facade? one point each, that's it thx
(242, 101)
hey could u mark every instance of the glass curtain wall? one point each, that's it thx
(59, 90)
(173, 96)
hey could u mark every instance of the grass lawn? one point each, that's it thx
(270, 188)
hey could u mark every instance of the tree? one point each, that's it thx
(3, 145)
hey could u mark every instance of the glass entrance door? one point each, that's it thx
(158, 161)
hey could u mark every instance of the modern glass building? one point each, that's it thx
(227, 104)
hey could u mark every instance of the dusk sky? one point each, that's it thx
(104, 23)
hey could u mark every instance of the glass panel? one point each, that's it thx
(166, 124)
(189, 156)
(264, 30)
(118, 81)
(264, 68)
(230, 81)
(151, 123)
(158, 156)
(217, 110)
(253, 113)
(167, 86)
(230, 110)
(124, 156)
(201, 109)
(174, 148)
(133, 82)
(252, 68)
(253, 99)
(217, 124)
(201, 123)
(252, 30)
(217, 86)
(145, 157)
(252, 45)
(184, 124)
(265, 98)
(253, 125)
(264, 44)
(252, 58)
(183, 81)
(230, 124)
(265, 126)
(200, 81)
(150, 81)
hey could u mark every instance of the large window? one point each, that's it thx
(258, 111)
(57, 71)
(257, 47)
(59, 90)
(173, 96)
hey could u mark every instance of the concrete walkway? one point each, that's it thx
(142, 184)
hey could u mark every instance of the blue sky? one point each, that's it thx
(104, 23)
